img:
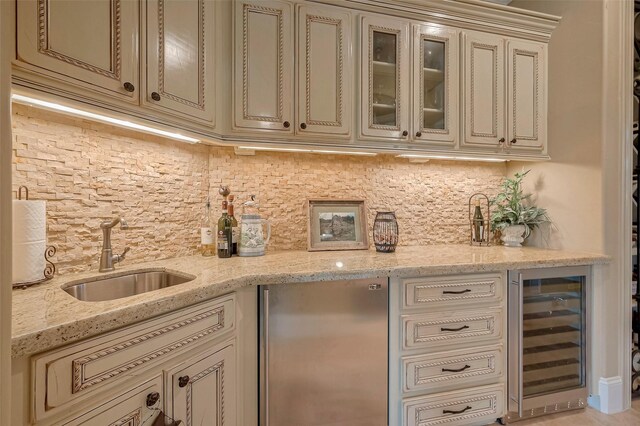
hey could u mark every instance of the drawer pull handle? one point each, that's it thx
(155, 96)
(468, 407)
(455, 370)
(454, 329)
(183, 381)
(457, 292)
(152, 399)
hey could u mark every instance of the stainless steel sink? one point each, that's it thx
(125, 285)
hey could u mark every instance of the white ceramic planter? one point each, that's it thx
(513, 236)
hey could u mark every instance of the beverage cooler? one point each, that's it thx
(548, 341)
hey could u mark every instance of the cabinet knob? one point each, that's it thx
(405, 133)
(501, 141)
(286, 124)
(303, 126)
(129, 87)
(418, 134)
(183, 381)
(155, 96)
(514, 140)
(152, 399)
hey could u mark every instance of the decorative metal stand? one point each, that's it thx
(49, 269)
(49, 252)
(481, 238)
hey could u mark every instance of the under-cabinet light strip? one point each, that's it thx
(309, 151)
(99, 117)
(451, 157)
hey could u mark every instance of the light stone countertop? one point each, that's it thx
(45, 316)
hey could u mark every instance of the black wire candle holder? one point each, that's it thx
(385, 232)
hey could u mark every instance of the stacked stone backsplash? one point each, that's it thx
(91, 172)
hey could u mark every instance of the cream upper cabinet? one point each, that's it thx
(263, 65)
(483, 97)
(324, 72)
(92, 45)
(202, 391)
(385, 104)
(435, 85)
(527, 89)
(180, 58)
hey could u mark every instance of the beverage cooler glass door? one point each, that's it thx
(547, 337)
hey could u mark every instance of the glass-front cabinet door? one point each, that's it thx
(385, 71)
(435, 85)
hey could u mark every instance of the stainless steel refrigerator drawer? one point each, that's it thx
(324, 353)
(451, 370)
(480, 406)
(435, 331)
(449, 289)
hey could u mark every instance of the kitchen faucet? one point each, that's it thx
(107, 259)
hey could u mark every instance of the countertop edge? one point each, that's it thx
(49, 338)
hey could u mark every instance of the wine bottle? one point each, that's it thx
(235, 231)
(207, 246)
(478, 224)
(225, 236)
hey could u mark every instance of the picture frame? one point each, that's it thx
(337, 225)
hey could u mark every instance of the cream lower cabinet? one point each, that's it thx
(91, 46)
(447, 340)
(504, 114)
(180, 44)
(135, 407)
(201, 390)
(117, 378)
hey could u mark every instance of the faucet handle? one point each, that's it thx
(120, 257)
(124, 225)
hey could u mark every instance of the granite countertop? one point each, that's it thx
(45, 316)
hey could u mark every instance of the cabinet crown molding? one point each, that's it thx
(465, 14)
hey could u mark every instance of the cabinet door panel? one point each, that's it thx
(484, 89)
(435, 85)
(526, 113)
(52, 35)
(202, 390)
(180, 57)
(127, 409)
(324, 71)
(385, 71)
(263, 66)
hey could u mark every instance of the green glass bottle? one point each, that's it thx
(225, 236)
(234, 227)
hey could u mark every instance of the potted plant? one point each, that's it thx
(513, 215)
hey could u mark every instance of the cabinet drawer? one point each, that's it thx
(479, 406)
(477, 288)
(128, 409)
(74, 372)
(433, 331)
(452, 370)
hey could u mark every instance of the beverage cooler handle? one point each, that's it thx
(520, 344)
(265, 342)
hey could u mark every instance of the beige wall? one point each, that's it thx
(570, 185)
(583, 186)
(90, 172)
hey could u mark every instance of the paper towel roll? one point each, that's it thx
(29, 221)
(29, 240)
(28, 261)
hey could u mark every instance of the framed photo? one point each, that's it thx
(337, 225)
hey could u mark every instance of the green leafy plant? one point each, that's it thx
(513, 207)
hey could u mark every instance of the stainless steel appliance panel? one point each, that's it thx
(324, 353)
